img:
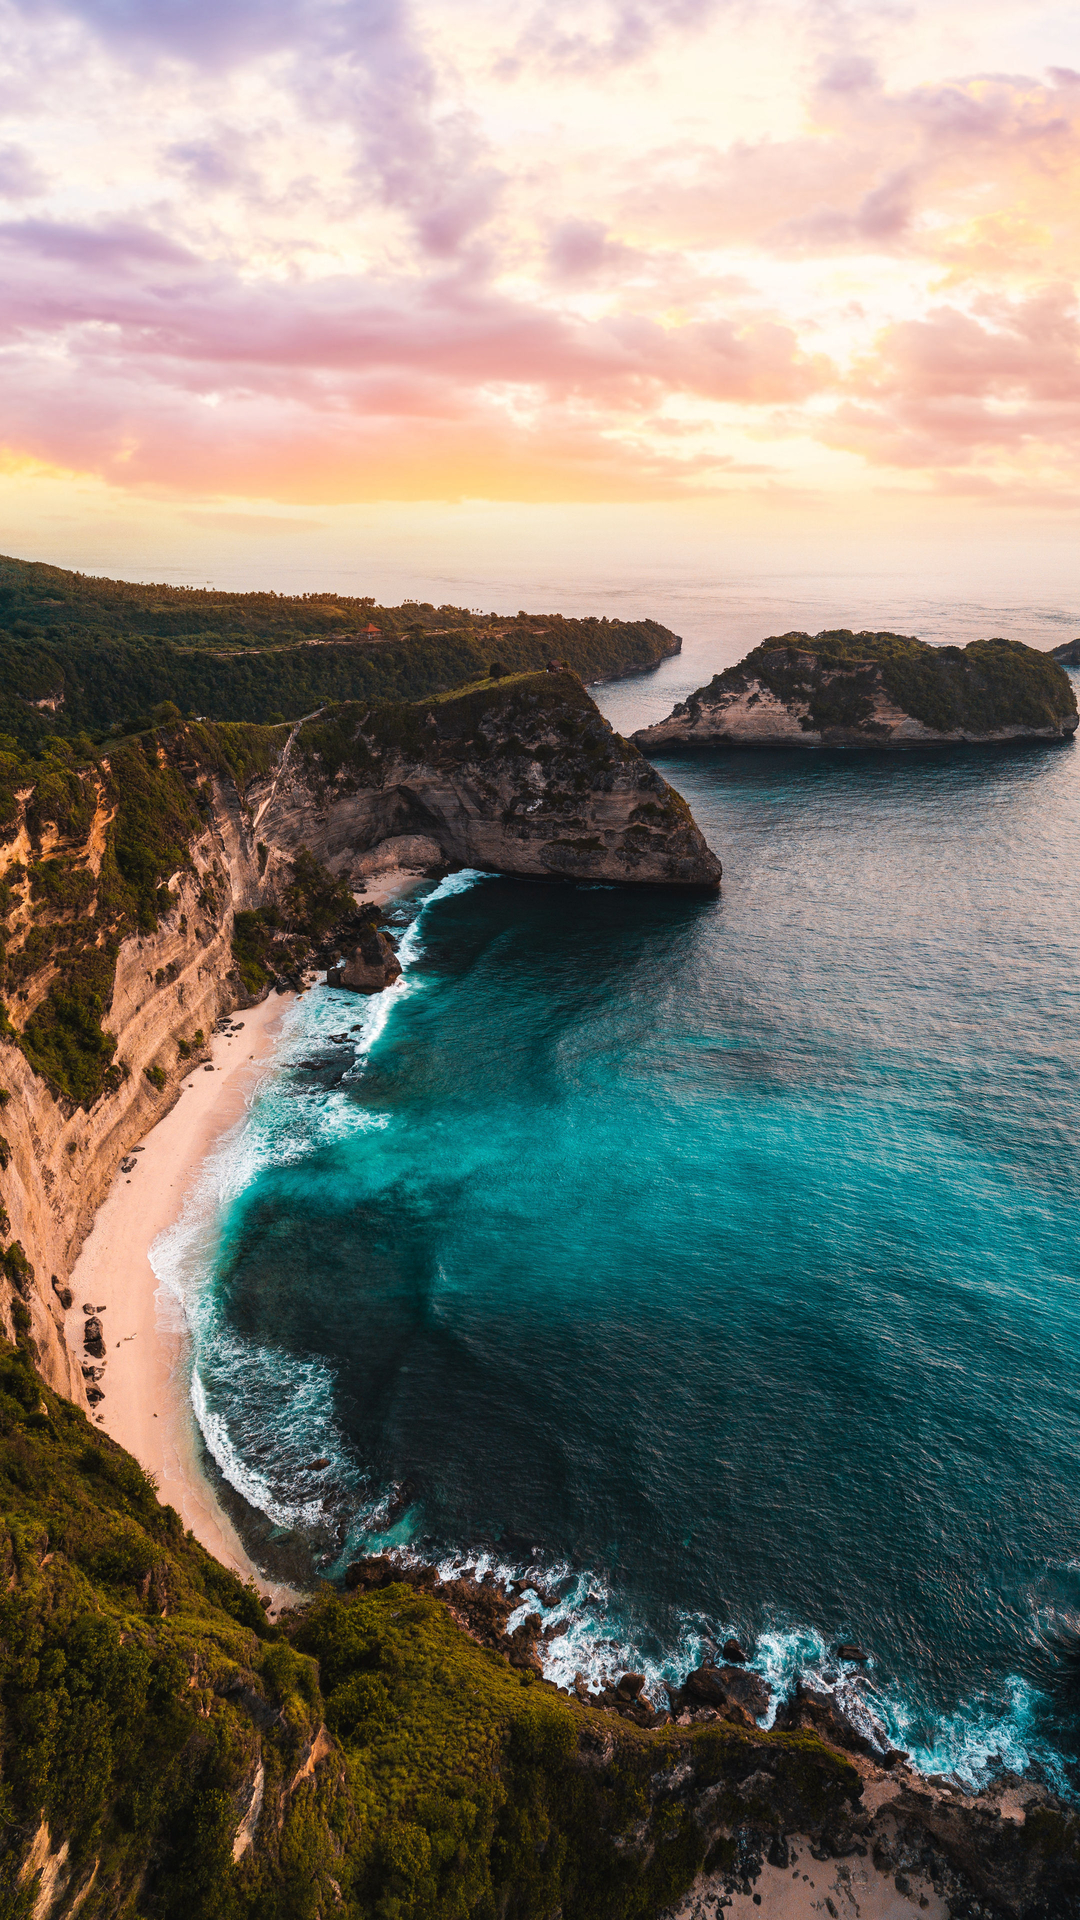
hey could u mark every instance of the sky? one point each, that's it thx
(749, 272)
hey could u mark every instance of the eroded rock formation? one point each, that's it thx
(845, 689)
(524, 778)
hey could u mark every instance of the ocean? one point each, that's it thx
(711, 1262)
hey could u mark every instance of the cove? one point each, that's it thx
(718, 1255)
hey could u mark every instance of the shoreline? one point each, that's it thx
(147, 1405)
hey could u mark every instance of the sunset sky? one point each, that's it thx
(265, 257)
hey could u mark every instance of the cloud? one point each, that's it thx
(20, 176)
(580, 250)
(309, 249)
(123, 352)
(594, 39)
(924, 172)
(356, 63)
(958, 388)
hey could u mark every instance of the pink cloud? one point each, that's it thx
(874, 171)
(957, 388)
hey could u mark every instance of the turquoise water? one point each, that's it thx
(716, 1255)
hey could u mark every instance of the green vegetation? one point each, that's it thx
(981, 688)
(272, 945)
(141, 1686)
(85, 656)
(511, 714)
(80, 898)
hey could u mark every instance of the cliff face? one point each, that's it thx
(845, 689)
(122, 881)
(169, 987)
(518, 777)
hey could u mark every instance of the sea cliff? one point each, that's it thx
(843, 689)
(153, 887)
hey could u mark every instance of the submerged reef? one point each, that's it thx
(843, 689)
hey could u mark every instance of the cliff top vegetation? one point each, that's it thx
(82, 654)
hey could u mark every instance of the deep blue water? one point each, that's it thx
(719, 1252)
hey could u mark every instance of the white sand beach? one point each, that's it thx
(147, 1406)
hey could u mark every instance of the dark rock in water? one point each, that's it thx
(366, 1576)
(372, 966)
(93, 1337)
(731, 1691)
(734, 1654)
(849, 1650)
(94, 1394)
(630, 1685)
(812, 1712)
(314, 1465)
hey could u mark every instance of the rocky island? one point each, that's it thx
(843, 689)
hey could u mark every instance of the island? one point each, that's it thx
(844, 689)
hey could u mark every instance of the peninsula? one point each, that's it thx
(843, 689)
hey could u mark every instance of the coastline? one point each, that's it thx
(147, 1407)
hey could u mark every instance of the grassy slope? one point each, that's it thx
(138, 1679)
(115, 650)
(980, 688)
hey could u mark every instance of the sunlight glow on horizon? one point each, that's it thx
(321, 253)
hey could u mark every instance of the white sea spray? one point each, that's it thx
(236, 1388)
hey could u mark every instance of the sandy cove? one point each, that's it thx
(147, 1407)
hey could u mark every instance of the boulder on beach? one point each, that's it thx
(94, 1337)
(372, 965)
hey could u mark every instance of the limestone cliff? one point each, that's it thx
(121, 881)
(522, 776)
(845, 689)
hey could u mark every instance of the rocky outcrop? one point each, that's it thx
(522, 777)
(411, 852)
(734, 1692)
(371, 966)
(747, 1802)
(1068, 654)
(845, 689)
